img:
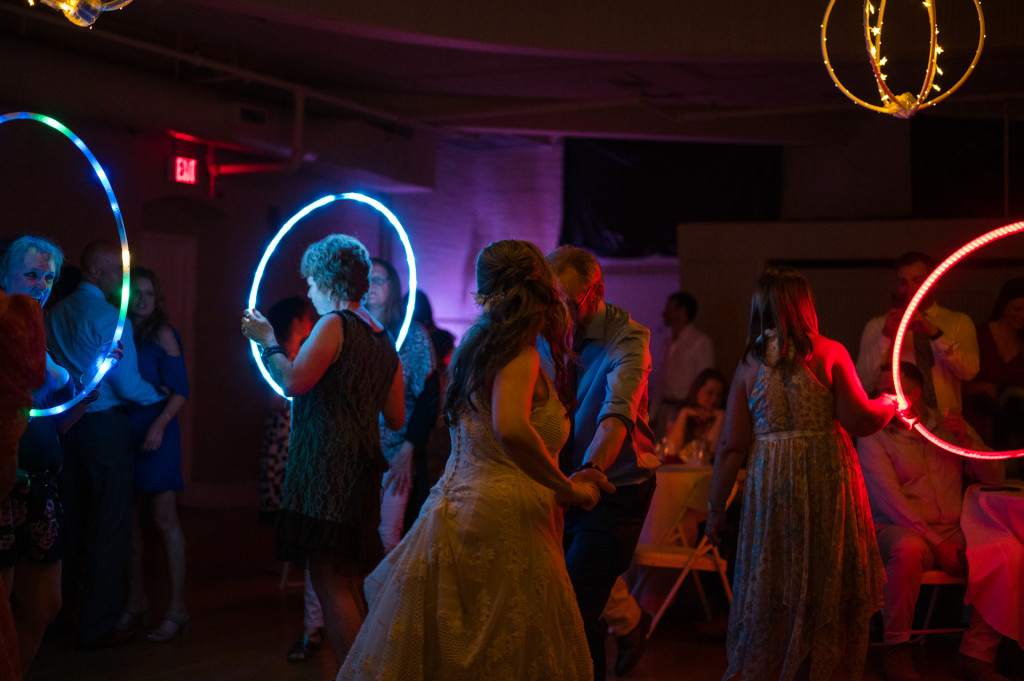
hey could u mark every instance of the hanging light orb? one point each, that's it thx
(907, 104)
(83, 12)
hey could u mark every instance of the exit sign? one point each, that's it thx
(185, 170)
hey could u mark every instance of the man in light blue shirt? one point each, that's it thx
(610, 436)
(97, 476)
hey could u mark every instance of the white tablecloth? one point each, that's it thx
(993, 524)
(674, 484)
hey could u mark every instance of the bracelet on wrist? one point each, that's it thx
(587, 464)
(935, 336)
(269, 352)
(715, 508)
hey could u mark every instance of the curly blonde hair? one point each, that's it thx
(521, 300)
(340, 265)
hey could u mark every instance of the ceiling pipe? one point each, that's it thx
(299, 93)
(375, 115)
(375, 157)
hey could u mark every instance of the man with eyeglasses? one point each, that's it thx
(610, 437)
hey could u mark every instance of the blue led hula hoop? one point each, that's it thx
(320, 203)
(102, 363)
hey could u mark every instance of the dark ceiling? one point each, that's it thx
(693, 71)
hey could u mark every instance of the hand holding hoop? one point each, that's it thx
(256, 328)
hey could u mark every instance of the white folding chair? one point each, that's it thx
(674, 551)
(936, 578)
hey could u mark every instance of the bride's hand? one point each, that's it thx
(585, 494)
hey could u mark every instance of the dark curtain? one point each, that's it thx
(957, 167)
(624, 199)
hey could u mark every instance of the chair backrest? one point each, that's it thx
(693, 510)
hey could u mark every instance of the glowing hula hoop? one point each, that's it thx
(320, 203)
(897, 345)
(103, 362)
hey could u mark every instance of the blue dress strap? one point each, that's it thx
(172, 368)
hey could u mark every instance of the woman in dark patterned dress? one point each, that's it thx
(32, 530)
(401, 446)
(345, 375)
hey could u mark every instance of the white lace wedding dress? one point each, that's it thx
(477, 589)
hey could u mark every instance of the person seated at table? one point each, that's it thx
(916, 492)
(992, 399)
(701, 417)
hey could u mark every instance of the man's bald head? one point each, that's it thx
(101, 266)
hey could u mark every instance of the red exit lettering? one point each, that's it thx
(184, 170)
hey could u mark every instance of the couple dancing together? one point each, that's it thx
(478, 588)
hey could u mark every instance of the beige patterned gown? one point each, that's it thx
(808, 573)
(478, 588)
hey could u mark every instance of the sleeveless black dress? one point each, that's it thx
(330, 501)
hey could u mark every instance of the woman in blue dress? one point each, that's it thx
(157, 454)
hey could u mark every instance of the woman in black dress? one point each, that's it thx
(345, 375)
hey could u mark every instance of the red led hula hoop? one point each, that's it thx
(897, 345)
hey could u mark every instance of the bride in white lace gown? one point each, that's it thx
(478, 588)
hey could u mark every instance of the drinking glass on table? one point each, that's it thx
(701, 456)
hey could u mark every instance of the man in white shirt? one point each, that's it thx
(916, 492)
(685, 353)
(98, 469)
(941, 342)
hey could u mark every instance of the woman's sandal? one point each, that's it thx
(172, 627)
(307, 644)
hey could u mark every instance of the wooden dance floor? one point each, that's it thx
(242, 624)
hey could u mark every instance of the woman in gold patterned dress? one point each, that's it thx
(808, 575)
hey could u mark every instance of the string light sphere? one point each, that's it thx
(901, 332)
(103, 363)
(272, 246)
(907, 104)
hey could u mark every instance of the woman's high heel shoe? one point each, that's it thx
(172, 627)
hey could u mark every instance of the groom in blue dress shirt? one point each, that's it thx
(610, 435)
(98, 472)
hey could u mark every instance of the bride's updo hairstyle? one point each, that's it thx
(782, 303)
(520, 300)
